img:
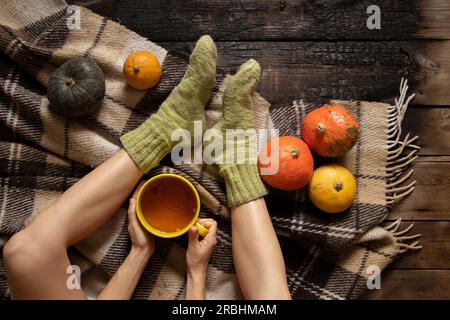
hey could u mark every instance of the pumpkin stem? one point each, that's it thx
(69, 82)
(295, 153)
(136, 69)
(338, 186)
(321, 127)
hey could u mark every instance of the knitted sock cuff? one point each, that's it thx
(243, 183)
(145, 145)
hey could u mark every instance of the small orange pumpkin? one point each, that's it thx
(142, 70)
(293, 164)
(330, 131)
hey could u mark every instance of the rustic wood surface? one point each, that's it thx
(321, 49)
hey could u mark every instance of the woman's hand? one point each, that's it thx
(197, 257)
(141, 240)
(199, 251)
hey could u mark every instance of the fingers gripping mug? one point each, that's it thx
(168, 205)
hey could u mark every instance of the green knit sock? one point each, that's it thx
(151, 141)
(242, 178)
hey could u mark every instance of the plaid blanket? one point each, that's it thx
(43, 154)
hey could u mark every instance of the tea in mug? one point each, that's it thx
(168, 204)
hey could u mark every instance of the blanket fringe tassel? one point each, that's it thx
(404, 243)
(401, 153)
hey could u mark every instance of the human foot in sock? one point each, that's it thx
(151, 141)
(241, 177)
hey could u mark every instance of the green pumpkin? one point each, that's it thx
(76, 88)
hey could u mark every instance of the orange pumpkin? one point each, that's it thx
(142, 70)
(330, 131)
(292, 166)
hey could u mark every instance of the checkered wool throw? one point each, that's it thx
(43, 154)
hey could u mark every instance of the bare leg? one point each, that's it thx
(36, 259)
(257, 254)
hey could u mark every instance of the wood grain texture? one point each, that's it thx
(433, 73)
(250, 20)
(362, 70)
(309, 65)
(412, 284)
(434, 19)
(432, 125)
(430, 199)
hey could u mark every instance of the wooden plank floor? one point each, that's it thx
(322, 49)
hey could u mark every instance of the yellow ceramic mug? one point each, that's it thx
(168, 205)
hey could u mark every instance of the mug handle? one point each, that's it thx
(203, 231)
